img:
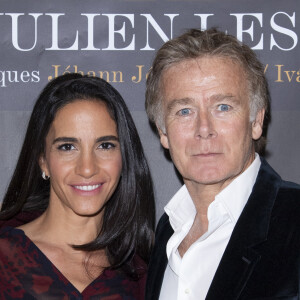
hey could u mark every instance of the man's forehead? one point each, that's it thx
(186, 62)
(217, 77)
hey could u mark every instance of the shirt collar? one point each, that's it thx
(235, 196)
(181, 208)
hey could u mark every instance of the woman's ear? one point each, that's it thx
(43, 165)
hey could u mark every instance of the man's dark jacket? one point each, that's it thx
(261, 260)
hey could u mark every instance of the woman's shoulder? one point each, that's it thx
(12, 242)
(20, 219)
(12, 251)
(9, 234)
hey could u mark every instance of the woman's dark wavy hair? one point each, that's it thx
(129, 215)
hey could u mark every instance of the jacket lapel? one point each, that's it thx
(239, 258)
(158, 259)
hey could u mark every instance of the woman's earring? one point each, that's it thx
(45, 177)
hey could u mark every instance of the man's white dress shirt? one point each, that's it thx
(190, 276)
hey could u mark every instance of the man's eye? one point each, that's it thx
(66, 147)
(107, 146)
(223, 107)
(184, 112)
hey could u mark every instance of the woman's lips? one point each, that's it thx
(87, 189)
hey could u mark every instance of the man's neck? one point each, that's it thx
(203, 194)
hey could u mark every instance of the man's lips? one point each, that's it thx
(207, 154)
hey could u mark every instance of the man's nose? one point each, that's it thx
(205, 125)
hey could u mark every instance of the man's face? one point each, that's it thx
(206, 114)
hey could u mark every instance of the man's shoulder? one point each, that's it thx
(290, 186)
(289, 192)
(287, 204)
(267, 175)
(286, 191)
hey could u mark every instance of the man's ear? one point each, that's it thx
(257, 124)
(163, 138)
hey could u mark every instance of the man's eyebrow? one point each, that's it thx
(220, 97)
(185, 101)
(179, 102)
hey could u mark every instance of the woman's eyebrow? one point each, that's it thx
(65, 139)
(107, 138)
(75, 140)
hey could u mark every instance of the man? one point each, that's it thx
(233, 230)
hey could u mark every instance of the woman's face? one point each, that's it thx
(82, 157)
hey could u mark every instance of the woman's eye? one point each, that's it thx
(184, 112)
(223, 107)
(107, 146)
(66, 147)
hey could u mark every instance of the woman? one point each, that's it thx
(78, 215)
